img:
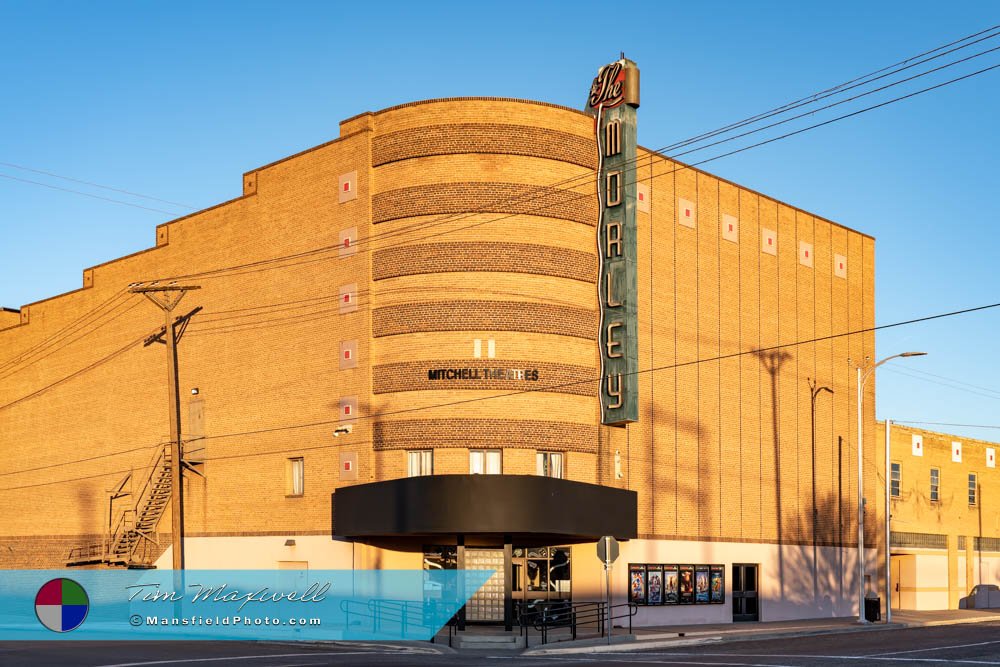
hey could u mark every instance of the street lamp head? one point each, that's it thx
(913, 354)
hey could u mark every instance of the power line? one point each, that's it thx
(76, 325)
(942, 384)
(853, 83)
(801, 130)
(546, 388)
(942, 377)
(86, 460)
(529, 391)
(85, 194)
(849, 85)
(718, 157)
(687, 166)
(199, 329)
(781, 109)
(94, 185)
(27, 364)
(360, 300)
(227, 271)
(838, 103)
(208, 313)
(585, 178)
(910, 421)
(723, 357)
(83, 370)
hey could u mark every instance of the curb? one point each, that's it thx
(410, 647)
(697, 638)
(625, 647)
(951, 621)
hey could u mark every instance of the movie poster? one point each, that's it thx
(686, 584)
(637, 584)
(717, 584)
(654, 584)
(701, 595)
(670, 584)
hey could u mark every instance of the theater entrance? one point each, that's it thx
(540, 574)
(488, 522)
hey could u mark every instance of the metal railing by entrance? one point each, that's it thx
(576, 618)
(398, 618)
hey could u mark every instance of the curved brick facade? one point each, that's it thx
(492, 257)
(497, 197)
(483, 315)
(485, 433)
(491, 138)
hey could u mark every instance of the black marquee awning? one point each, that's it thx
(521, 506)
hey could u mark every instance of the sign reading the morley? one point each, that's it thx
(613, 99)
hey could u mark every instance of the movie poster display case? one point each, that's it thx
(657, 584)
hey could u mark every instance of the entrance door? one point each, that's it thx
(487, 604)
(745, 601)
(540, 574)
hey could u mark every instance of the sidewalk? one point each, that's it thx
(686, 635)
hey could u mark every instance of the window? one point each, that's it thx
(420, 462)
(295, 476)
(972, 488)
(895, 479)
(550, 464)
(484, 461)
(935, 485)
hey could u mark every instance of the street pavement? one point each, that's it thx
(937, 639)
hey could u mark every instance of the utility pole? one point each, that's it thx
(167, 298)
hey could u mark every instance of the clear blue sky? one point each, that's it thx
(176, 100)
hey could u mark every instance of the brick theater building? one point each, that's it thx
(475, 332)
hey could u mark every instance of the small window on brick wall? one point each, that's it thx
(477, 348)
(895, 479)
(935, 485)
(484, 461)
(550, 464)
(295, 476)
(420, 462)
(973, 487)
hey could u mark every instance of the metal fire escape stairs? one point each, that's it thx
(131, 540)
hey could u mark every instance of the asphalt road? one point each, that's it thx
(946, 646)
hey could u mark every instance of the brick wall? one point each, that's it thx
(913, 511)
(723, 448)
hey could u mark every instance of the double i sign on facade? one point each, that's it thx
(613, 99)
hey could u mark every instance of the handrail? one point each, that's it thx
(563, 613)
(125, 523)
(122, 529)
(399, 611)
(89, 551)
(406, 613)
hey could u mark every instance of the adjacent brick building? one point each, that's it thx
(446, 235)
(945, 519)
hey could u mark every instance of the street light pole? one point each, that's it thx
(861, 510)
(863, 375)
(888, 534)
